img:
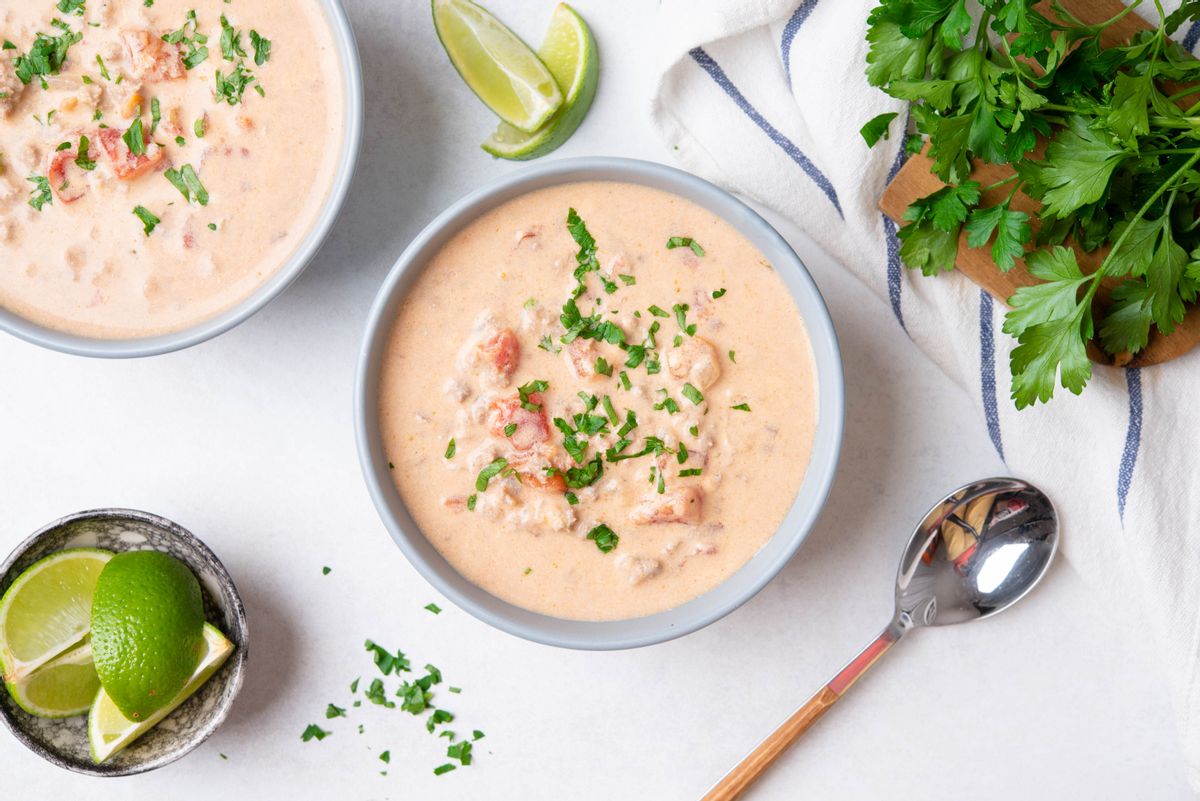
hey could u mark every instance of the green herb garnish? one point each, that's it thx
(692, 394)
(437, 610)
(604, 537)
(685, 242)
(42, 194)
(488, 473)
(742, 407)
(314, 732)
(149, 221)
(451, 448)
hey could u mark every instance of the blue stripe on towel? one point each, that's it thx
(799, 16)
(894, 268)
(987, 370)
(1191, 37)
(787, 145)
(1133, 436)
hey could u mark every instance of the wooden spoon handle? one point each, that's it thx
(735, 782)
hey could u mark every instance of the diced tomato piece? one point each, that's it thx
(125, 164)
(531, 427)
(502, 352)
(66, 177)
(151, 58)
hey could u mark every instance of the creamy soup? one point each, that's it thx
(158, 164)
(598, 431)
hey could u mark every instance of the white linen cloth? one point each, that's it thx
(766, 97)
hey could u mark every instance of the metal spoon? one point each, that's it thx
(977, 552)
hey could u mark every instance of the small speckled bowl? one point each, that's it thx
(65, 742)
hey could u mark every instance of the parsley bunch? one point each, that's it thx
(1106, 138)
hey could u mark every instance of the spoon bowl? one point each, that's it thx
(977, 552)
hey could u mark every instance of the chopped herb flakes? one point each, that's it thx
(314, 732)
(325, 571)
(471, 503)
(440, 769)
(525, 390)
(693, 394)
(477, 735)
(135, 137)
(733, 357)
(451, 448)
(742, 407)
(437, 610)
(692, 472)
(188, 183)
(385, 757)
(82, 159)
(45, 57)
(685, 242)
(487, 474)
(42, 194)
(387, 663)
(192, 44)
(231, 87)
(718, 293)
(149, 221)
(332, 712)
(604, 538)
(510, 429)
(262, 48)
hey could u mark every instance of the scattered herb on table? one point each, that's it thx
(437, 610)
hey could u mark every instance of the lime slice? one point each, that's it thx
(500, 68)
(147, 630)
(110, 732)
(61, 688)
(48, 609)
(570, 52)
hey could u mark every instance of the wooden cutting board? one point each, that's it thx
(915, 180)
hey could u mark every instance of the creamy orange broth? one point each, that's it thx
(83, 264)
(482, 306)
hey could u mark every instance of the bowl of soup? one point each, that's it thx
(167, 168)
(599, 403)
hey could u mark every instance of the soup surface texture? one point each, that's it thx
(158, 162)
(598, 432)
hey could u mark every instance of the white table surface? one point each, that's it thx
(247, 441)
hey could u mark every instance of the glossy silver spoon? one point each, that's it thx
(977, 552)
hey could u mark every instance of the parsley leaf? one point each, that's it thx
(877, 127)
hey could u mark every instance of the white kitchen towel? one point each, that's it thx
(766, 97)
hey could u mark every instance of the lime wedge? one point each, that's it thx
(48, 609)
(147, 630)
(570, 52)
(110, 732)
(61, 688)
(501, 69)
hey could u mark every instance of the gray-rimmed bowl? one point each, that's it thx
(65, 742)
(289, 271)
(715, 603)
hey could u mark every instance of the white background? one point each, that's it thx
(247, 441)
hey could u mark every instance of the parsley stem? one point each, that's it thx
(1000, 183)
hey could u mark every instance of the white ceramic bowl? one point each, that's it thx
(715, 603)
(289, 271)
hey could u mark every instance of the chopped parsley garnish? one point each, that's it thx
(149, 221)
(586, 257)
(657, 312)
(62, 147)
(440, 769)
(71, 7)
(613, 417)
(332, 712)
(314, 732)
(572, 499)
(471, 503)
(603, 367)
(41, 195)
(8, 45)
(354, 685)
(262, 47)
(628, 280)
(199, 128)
(103, 69)
(693, 394)
(377, 695)
(525, 390)
(193, 44)
(685, 242)
(231, 41)
(694, 431)
(667, 403)
(460, 751)
(604, 538)
(477, 735)
(386, 662)
(437, 610)
(488, 473)
(742, 407)
(510, 429)
(230, 88)
(451, 448)
(733, 357)
(681, 310)
(718, 293)
(188, 183)
(682, 455)
(135, 137)
(46, 57)
(625, 380)
(455, 690)
(693, 472)
(325, 571)
(81, 156)
(547, 344)
(155, 115)
(212, 226)
(386, 756)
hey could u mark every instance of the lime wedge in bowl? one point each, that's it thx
(48, 610)
(500, 68)
(110, 732)
(570, 51)
(62, 688)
